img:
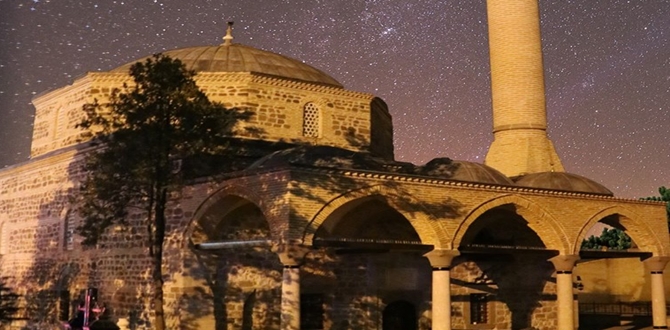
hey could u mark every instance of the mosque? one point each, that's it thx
(316, 226)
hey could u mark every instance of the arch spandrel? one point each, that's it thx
(539, 220)
(634, 225)
(214, 208)
(424, 223)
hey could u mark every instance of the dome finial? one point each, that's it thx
(228, 39)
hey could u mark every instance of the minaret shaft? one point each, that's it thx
(520, 143)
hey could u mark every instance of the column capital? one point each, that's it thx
(441, 258)
(564, 262)
(656, 264)
(290, 254)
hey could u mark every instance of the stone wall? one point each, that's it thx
(59, 111)
(381, 127)
(276, 106)
(616, 280)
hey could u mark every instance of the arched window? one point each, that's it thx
(311, 120)
(68, 231)
(4, 238)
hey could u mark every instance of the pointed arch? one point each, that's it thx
(424, 223)
(539, 220)
(639, 230)
(221, 202)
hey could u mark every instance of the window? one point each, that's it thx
(479, 310)
(68, 231)
(311, 120)
(4, 238)
(63, 305)
(311, 311)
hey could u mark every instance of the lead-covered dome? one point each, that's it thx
(239, 58)
(460, 170)
(562, 181)
(320, 156)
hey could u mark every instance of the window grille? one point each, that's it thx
(479, 311)
(68, 231)
(311, 118)
(311, 311)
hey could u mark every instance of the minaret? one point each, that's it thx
(520, 144)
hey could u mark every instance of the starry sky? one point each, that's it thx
(607, 67)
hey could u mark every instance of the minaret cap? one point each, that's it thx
(228, 39)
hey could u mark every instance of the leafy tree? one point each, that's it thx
(8, 302)
(613, 239)
(664, 197)
(141, 137)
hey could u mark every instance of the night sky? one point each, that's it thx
(607, 65)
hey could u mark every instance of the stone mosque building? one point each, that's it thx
(316, 226)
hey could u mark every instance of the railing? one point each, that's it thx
(633, 308)
(366, 241)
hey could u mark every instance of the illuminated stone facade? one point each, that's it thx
(325, 230)
(402, 215)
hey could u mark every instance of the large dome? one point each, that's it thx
(239, 58)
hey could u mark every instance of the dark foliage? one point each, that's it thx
(141, 139)
(143, 134)
(612, 239)
(8, 302)
(664, 197)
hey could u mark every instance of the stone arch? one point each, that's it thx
(638, 230)
(539, 220)
(423, 223)
(203, 222)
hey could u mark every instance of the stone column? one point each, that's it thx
(123, 324)
(656, 265)
(564, 290)
(291, 256)
(440, 260)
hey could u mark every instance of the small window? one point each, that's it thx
(63, 305)
(68, 231)
(311, 120)
(4, 238)
(479, 310)
(311, 311)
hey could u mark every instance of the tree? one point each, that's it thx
(664, 197)
(613, 239)
(141, 137)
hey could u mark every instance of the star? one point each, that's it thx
(606, 69)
